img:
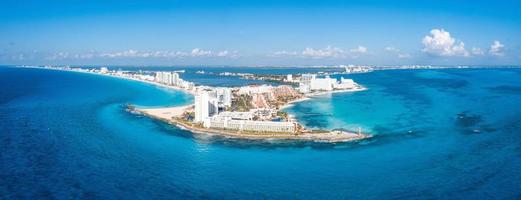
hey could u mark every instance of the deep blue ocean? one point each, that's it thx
(439, 134)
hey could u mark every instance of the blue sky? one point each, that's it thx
(260, 33)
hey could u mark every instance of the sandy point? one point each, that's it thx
(166, 113)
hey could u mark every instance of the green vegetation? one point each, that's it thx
(241, 103)
(273, 78)
(319, 131)
(188, 116)
(282, 114)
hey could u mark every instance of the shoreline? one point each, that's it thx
(327, 137)
(312, 95)
(169, 114)
(114, 76)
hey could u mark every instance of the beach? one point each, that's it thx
(116, 76)
(165, 113)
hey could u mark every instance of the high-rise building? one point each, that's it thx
(206, 105)
(202, 110)
(223, 95)
(304, 88)
(306, 78)
(213, 106)
(159, 77)
(168, 78)
(175, 79)
(104, 70)
(227, 97)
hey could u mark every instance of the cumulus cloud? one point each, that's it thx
(477, 51)
(359, 50)
(404, 55)
(199, 53)
(323, 53)
(127, 53)
(328, 52)
(226, 53)
(283, 53)
(496, 49)
(59, 55)
(20, 56)
(131, 53)
(398, 52)
(222, 53)
(440, 43)
(392, 49)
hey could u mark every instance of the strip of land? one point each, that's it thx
(171, 115)
(249, 112)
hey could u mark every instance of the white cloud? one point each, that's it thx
(226, 53)
(496, 49)
(329, 51)
(392, 49)
(145, 54)
(58, 56)
(397, 51)
(440, 43)
(222, 53)
(199, 53)
(477, 51)
(20, 56)
(359, 50)
(404, 55)
(283, 53)
(127, 53)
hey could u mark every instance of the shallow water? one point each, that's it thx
(438, 134)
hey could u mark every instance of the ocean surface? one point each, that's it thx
(438, 134)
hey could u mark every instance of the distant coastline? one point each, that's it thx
(120, 77)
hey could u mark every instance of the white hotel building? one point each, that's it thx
(224, 95)
(168, 78)
(228, 123)
(322, 83)
(173, 79)
(309, 82)
(205, 106)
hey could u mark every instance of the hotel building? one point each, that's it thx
(206, 105)
(228, 123)
(168, 78)
(309, 82)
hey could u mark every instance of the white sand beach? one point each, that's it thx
(165, 113)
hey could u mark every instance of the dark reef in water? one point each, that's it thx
(444, 83)
(466, 120)
(472, 124)
(506, 89)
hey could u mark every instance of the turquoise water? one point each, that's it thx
(438, 134)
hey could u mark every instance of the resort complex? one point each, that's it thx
(254, 109)
(251, 111)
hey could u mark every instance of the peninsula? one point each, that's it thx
(247, 112)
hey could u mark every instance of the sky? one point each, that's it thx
(260, 33)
